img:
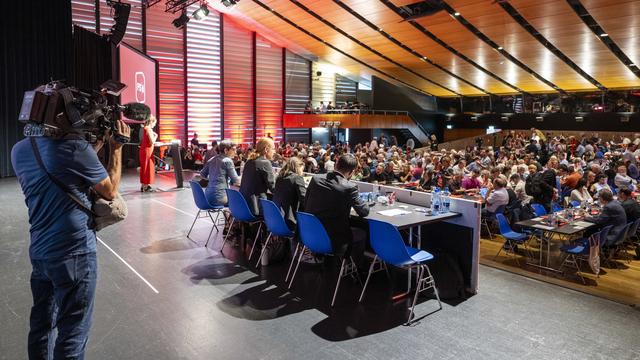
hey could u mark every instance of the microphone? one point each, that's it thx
(135, 111)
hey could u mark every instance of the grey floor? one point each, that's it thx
(209, 307)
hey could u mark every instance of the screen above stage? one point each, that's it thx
(138, 72)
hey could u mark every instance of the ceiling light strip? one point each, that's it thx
(344, 33)
(405, 47)
(479, 34)
(592, 24)
(307, 32)
(430, 35)
(517, 17)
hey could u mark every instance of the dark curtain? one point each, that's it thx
(92, 59)
(35, 38)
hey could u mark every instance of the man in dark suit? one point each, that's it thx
(331, 198)
(612, 214)
(630, 205)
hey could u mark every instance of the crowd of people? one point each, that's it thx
(329, 107)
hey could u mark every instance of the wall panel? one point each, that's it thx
(238, 111)
(297, 83)
(268, 89)
(204, 78)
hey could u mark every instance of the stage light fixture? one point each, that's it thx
(201, 13)
(456, 14)
(604, 35)
(181, 21)
(230, 3)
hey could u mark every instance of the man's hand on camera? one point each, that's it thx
(123, 131)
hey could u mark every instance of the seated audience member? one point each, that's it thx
(572, 177)
(331, 198)
(472, 182)
(219, 170)
(257, 176)
(405, 174)
(416, 174)
(580, 193)
(612, 214)
(389, 173)
(623, 180)
(290, 190)
(497, 195)
(425, 182)
(517, 184)
(629, 204)
(601, 183)
(378, 176)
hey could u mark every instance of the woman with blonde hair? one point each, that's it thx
(290, 189)
(147, 166)
(257, 175)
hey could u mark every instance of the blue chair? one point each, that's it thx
(511, 237)
(485, 221)
(315, 238)
(580, 250)
(575, 203)
(617, 245)
(274, 221)
(388, 245)
(241, 213)
(539, 210)
(204, 207)
(555, 207)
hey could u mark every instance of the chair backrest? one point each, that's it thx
(500, 209)
(503, 224)
(239, 207)
(387, 242)
(623, 234)
(634, 228)
(555, 207)
(312, 233)
(198, 196)
(575, 203)
(604, 233)
(539, 210)
(273, 218)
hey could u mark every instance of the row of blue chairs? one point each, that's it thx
(386, 242)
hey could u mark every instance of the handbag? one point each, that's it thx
(104, 212)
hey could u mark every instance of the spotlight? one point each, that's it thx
(604, 35)
(456, 14)
(181, 21)
(499, 47)
(229, 3)
(201, 13)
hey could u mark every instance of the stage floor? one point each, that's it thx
(161, 296)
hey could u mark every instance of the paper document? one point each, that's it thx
(582, 223)
(393, 212)
(544, 227)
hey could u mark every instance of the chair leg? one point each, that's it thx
(255, 241)
(579, 272)
(435, 288)
(297, 266)
(366, 282)
(213, 227)
(293, 260)
(228, 232)
(264, 249)
(415, 297)
(194, 222)
(335, 292)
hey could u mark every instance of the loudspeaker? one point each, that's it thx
(121, 19)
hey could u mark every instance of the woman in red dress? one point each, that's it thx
(147, 166)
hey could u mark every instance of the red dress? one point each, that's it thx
(147, 166)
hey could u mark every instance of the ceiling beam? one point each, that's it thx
(601, 34)
(400, 12)
(317, 38)
(480, 35)
(375, 52)
(517, 17)
(405, 47)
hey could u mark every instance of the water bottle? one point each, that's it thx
(435, 201)
(446, 200)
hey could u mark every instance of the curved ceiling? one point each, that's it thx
(470, 47)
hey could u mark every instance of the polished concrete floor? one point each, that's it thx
(161, 296)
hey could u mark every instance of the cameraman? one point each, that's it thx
(63, 243)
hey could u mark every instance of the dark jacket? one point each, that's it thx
(331, 198)
(289, 195)
(612, 214)
(257, 178)
(632, 209)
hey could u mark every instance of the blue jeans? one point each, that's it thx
(63, 291)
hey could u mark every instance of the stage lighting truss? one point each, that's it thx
(173, 6)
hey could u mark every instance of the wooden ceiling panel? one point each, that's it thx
(563, 28)
(383, 17)
(456, 35)
(499, 26)
(325, 52)
(621, 20)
